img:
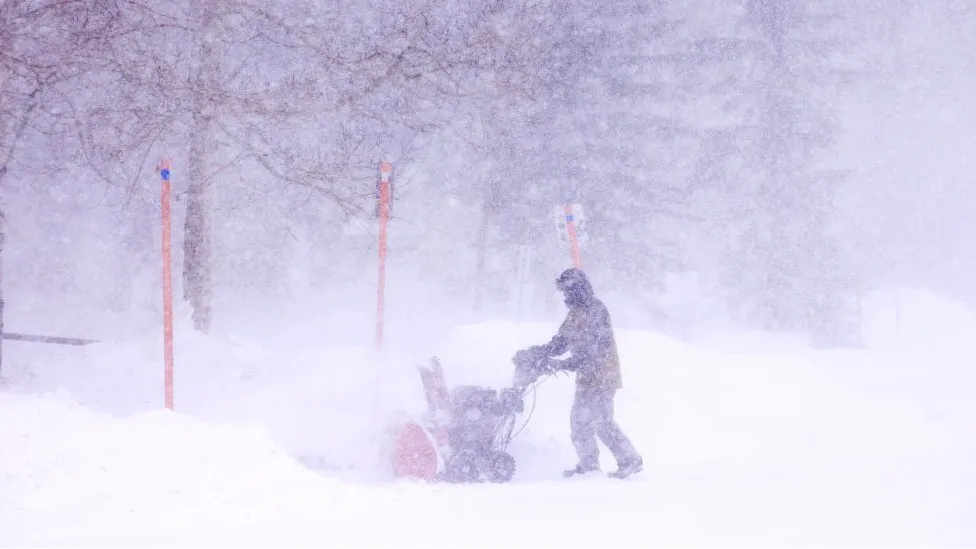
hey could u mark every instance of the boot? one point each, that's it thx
(628, 468)
(580, 469)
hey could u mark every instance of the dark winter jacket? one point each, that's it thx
(587, 333)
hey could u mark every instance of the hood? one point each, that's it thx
(575, 287)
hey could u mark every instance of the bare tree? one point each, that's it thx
(187, 77)
(45, 47)
(300, 93)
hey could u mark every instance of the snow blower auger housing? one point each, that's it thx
(464, 435)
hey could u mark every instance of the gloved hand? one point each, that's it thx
(528, 356)
(555, 365)
(549, 366)
(522, 357)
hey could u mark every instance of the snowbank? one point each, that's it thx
(329, 406)
(65, 464)
(916, 319)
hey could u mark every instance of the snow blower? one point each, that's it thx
(464, 435)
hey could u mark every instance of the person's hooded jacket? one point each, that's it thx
(587, 334)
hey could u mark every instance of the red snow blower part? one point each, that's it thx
(464, 435)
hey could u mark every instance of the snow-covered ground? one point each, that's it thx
(746, 439)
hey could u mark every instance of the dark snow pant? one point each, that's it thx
(592, 417)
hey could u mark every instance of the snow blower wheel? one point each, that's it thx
(501, 467)
(465, 466)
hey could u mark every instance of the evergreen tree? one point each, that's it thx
(777, 81)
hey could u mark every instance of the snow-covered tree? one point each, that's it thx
(774, 83)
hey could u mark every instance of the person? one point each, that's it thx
(587, 334)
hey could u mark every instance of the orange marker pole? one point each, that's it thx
(384, 213)
(164, 172)
(573, 241)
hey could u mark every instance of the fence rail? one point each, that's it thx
(48, 339)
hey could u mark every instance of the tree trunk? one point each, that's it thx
(198, 243)
(489, 210)
(480, 262)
